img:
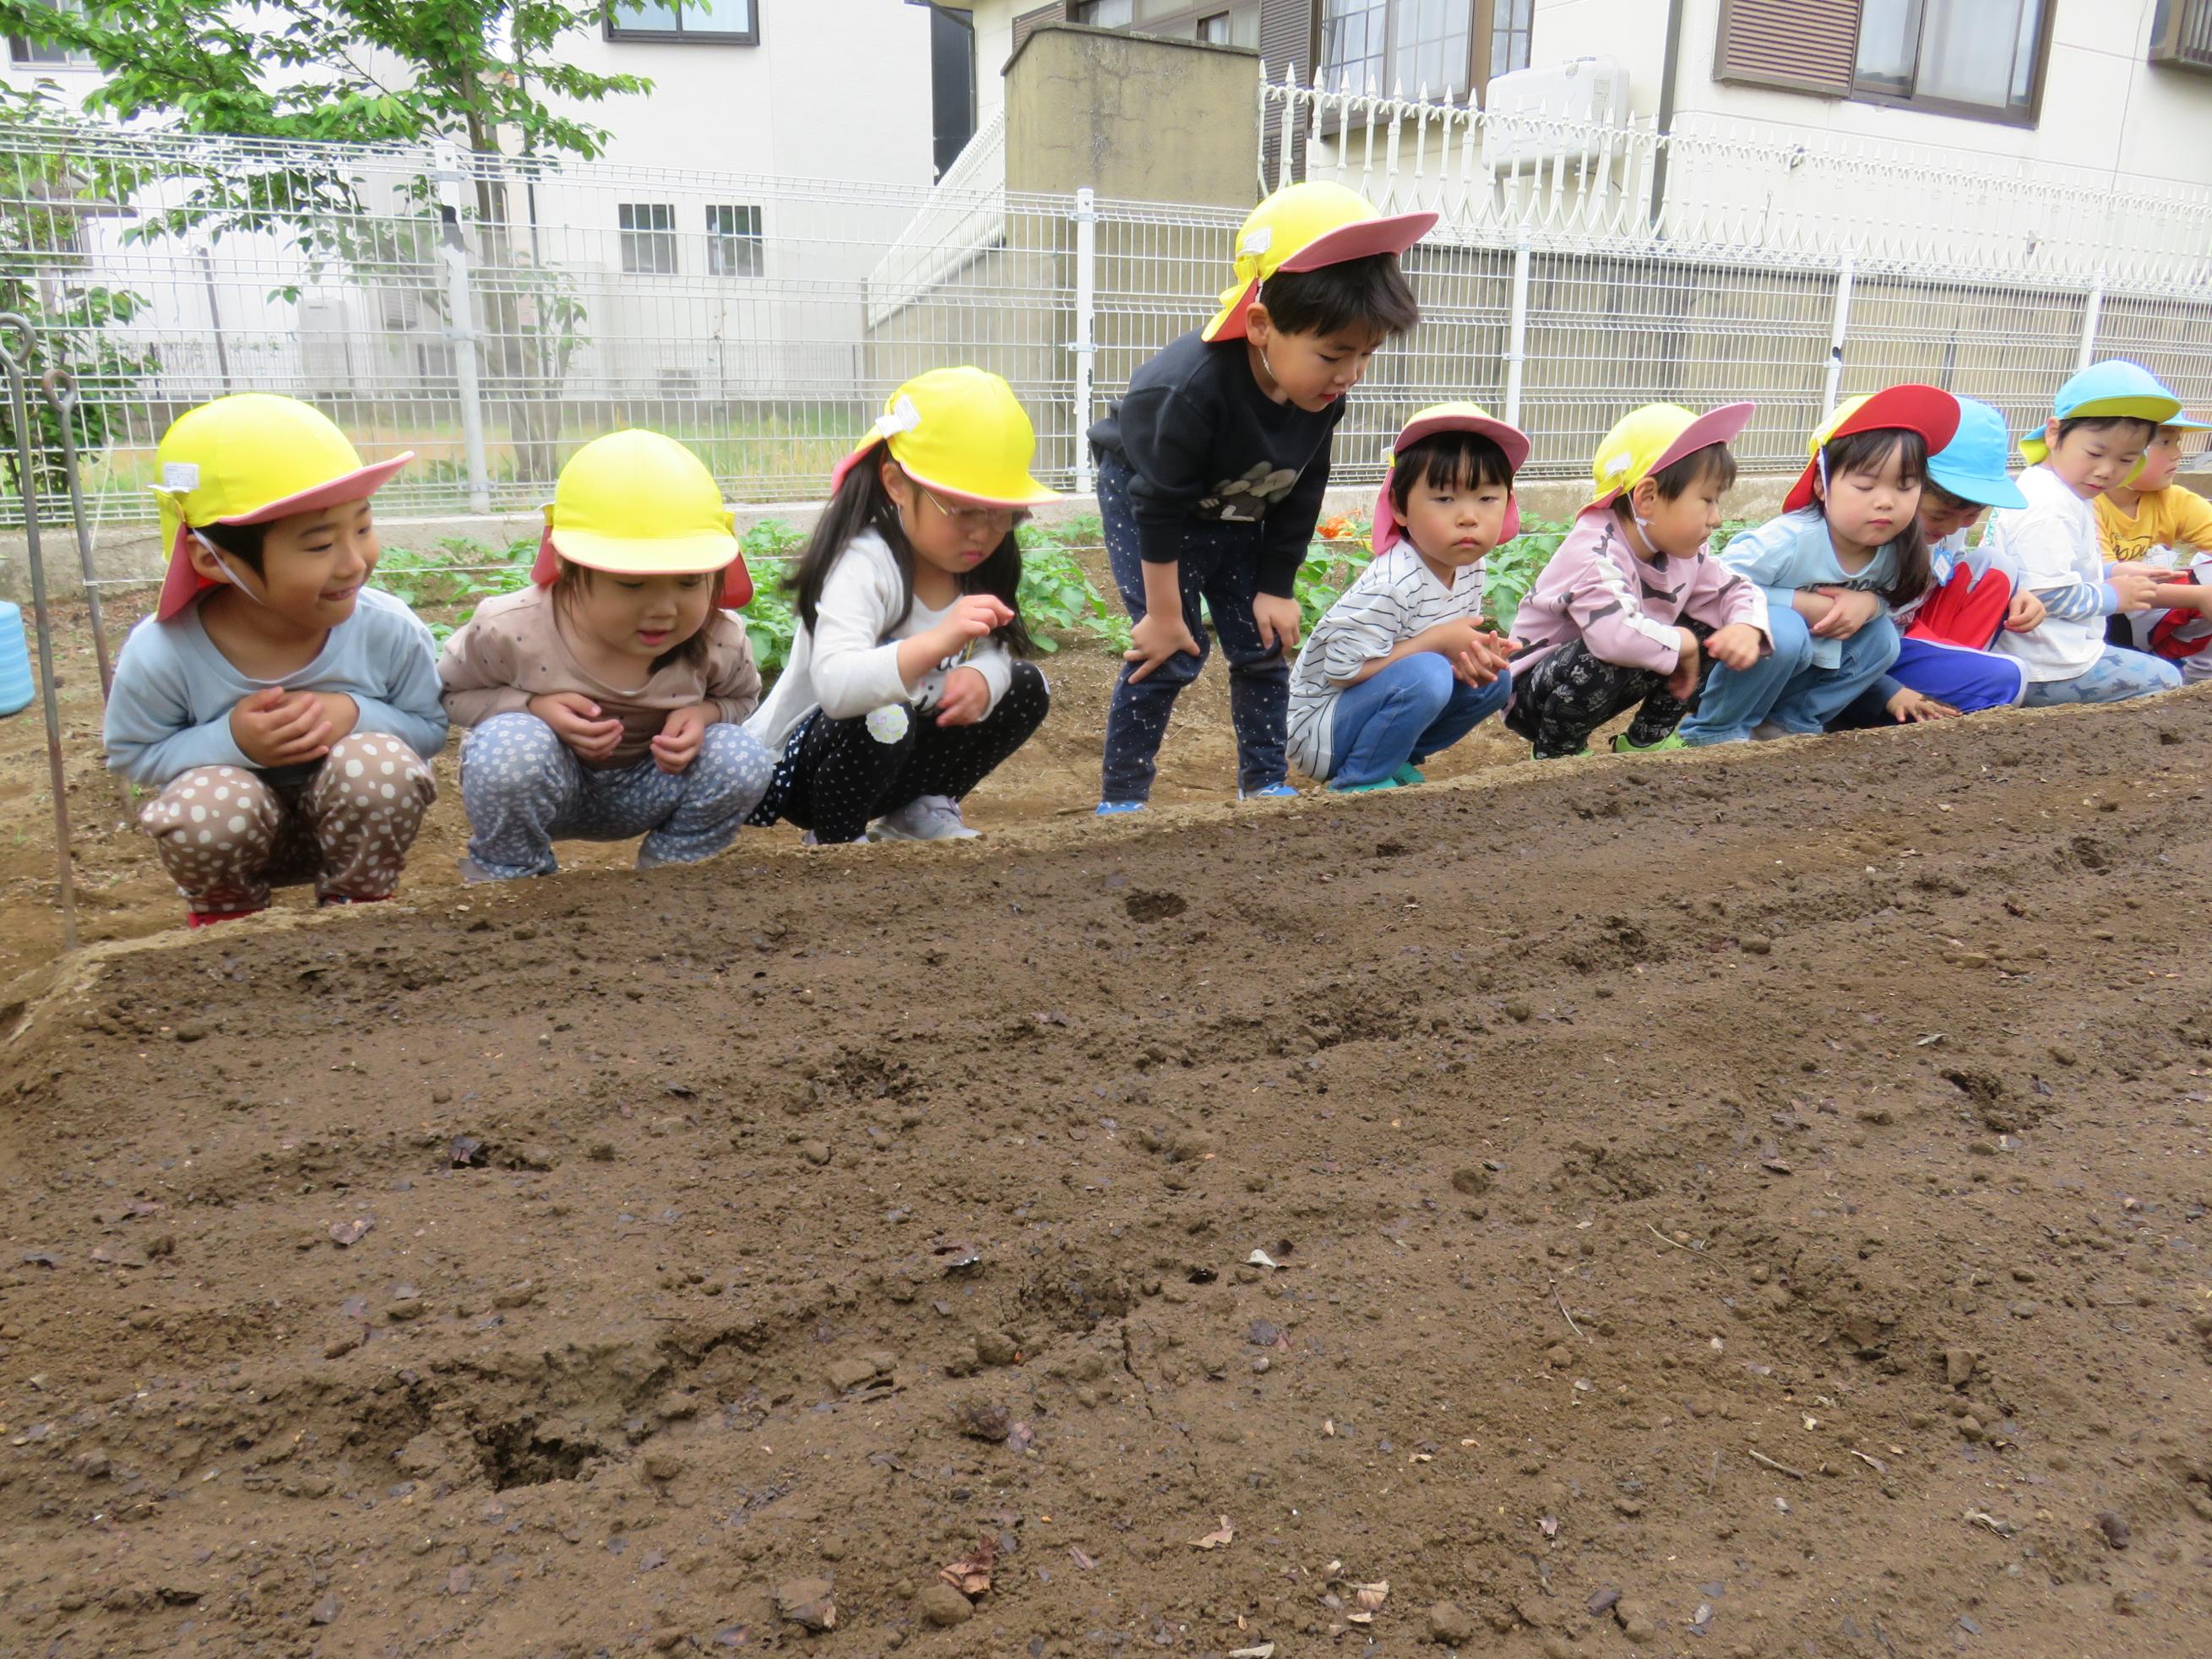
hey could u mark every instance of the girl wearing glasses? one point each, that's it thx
(903, 690)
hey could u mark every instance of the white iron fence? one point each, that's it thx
(492, 314)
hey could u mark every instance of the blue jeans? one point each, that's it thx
(1785, 687)
(2115, 677)
(1220, 565)
(1405, 714)
(524, 788)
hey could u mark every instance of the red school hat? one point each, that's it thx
(1928, 410)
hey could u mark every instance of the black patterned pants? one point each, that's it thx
(1573, 692)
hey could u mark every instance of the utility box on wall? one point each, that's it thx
(1134, 117)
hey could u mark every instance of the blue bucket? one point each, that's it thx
(15, 688)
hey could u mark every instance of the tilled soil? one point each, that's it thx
(1748, 1205)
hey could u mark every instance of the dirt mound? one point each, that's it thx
(1747, 1206)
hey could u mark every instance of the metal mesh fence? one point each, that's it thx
(491, 314)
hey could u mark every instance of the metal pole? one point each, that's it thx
(462, 327)
(1836, 332)
(1086, 337)
(59, 387)
(2092, 312)
(27, 464)
(1516, 334)
(215, 318)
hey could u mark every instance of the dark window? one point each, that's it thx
(951, 84)
(2181, 33)
(648, 238)
(1213, 29)
(733, 241)
(26, 51)
(1103, 14)
(703, 22)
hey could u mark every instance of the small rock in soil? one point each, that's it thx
(944, 1606)
(2116, 1529)
(1449, 1622)
(810, 1603)
(982, 1420)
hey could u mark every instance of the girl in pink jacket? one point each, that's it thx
(1633, 609)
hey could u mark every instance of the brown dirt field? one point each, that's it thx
(812, 1217)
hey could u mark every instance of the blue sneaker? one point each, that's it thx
(1365, 788)
(1272, 792)
(1114, 808)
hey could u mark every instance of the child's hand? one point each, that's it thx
(676, 744)
(1851, 609)
(2025, 614)
(1682, 683)
(1277, 620)
(2157, 573)
(2137, 591)
(1734, 647)
(575, 721)
(1909, 708)
(966, 697)
(276, 728)
(1485, 660)
(973, 616)
(1153, 641)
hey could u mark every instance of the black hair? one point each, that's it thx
(1370, 294)
(242, 541)
(1448, 460)
(571, 579)
(862, 503)
(1867, 452)
(2105, 423)
(1931, 490)
(1714, 462)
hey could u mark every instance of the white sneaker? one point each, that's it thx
(1767, 732)
(925, 817)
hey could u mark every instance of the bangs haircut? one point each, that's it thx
(1871, 452)
(1371, 293)
(1714, 463)
(2106, 423)
(1945, 500)
(1451, 461)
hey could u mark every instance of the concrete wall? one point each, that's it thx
(1134, 117)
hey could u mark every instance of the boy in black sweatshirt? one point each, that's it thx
(1211, 470)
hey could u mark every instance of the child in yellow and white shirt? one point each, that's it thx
(2153, 522)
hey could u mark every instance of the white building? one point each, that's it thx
(2119, 87)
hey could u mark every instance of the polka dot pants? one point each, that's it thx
(524, 789)
(227, 835)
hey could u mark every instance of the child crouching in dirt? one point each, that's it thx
(1846, 550)
(286, 714)
(1403, 665)
(1633, 611)
(902, 692)
(605, 700)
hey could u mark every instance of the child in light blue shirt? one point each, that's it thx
(1846, 549)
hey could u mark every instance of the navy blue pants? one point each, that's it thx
(1220, 566)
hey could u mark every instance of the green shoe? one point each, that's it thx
(1407, 775)
(1365, 788)
(1672, 740)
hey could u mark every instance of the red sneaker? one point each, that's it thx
(196, 920)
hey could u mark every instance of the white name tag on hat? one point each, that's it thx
(181, 476)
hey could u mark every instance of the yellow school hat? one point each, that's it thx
(637, 503)
(1653, 438)
(960, 432)
(1304, 227)
(251, 457)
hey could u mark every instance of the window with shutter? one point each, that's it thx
(1030, 22)
(1807, 45)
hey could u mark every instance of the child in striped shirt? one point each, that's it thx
(1404, 665)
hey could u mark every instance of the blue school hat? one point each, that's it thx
(1972, 466)
(2115, 387)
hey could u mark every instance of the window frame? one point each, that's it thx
(1191, 15)
(21, 45)
(622, 34)
(2029, 115)
(1481, 33)
(635, 236)
(751, 245)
